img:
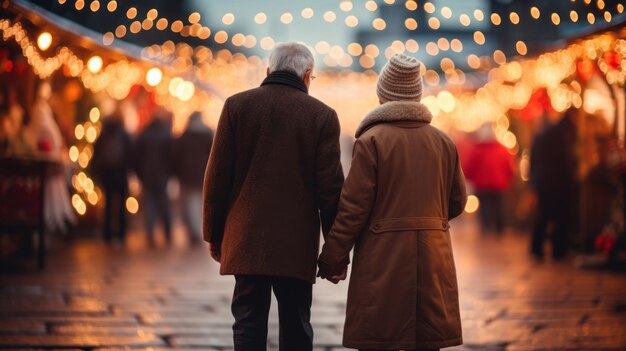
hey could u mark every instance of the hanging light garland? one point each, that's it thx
(510, 85)
(194, 29)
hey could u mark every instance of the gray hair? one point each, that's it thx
(292, 57)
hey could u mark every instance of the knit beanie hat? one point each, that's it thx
(400, 80)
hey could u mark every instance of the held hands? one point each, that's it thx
(216, 251)
(324, 273)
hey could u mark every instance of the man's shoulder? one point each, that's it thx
(290, 97)
(244, 95)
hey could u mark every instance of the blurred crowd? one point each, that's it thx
(154, 156)
(565, 186)
(576, 177)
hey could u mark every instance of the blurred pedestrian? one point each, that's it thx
(490, 169)
(190, 157)
(16, 140)
(404, 187)
(152, 165)
(5, 121)
(273, 175)
(603, 189)
(111, 162)
(553, 173)
(45, 137)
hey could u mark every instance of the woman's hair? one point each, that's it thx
(291, 57)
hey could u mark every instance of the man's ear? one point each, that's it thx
(267, 71)
(307, 78)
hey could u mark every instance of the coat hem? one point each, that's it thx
(273, 274)
(402, 345)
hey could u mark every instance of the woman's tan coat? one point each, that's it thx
(404, 186)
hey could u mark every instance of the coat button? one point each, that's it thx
(443, 224)
(376, 226)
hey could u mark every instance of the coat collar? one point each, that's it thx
(395, 111)
(286, 78)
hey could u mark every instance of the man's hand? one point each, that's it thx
(333, 278)
(216, 251)
(337, 278)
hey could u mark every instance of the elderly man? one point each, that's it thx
(273, 175)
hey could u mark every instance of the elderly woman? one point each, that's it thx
(404, 186)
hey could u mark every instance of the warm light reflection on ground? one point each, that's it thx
(92, 296)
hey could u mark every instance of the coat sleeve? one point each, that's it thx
(329, 174)
(218, 180)
(357, 200)
(458, 194)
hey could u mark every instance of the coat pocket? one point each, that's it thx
(405, 224)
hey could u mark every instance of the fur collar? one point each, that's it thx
(395, 111)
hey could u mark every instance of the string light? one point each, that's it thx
(456, 45)
(429, 7)
(411, 5)
(534, 12)
(410, 24)
(154, 76)
(306, 13)
(473, 61)
(261, 18)
(495, 19)
(95, 6)
(286, 18)
(344, 60)
(591, 18)
(434, 23)
(479, 38)
(112, 6)
(379, 24)
(44, 41)
(132, 205)
(107, 38)
(152, 14)
(479, 15)
(195, 18)
(521, 48)
(345, 5)
(351, 21)
(412, 45)
(94, 115)
(228, 19)
(465, 20)
(330, 16)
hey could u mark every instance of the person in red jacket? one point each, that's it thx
(489, 168)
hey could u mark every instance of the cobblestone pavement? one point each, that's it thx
(95, 297)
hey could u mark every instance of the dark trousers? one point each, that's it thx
(491, 212)
(157, 204)
(552, 208)
(115, 211)
(251, 306)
